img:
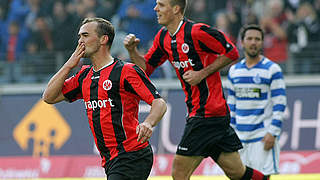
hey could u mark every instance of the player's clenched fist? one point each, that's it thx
(131, 42)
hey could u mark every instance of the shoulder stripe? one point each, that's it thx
(218, 36)
(146, 81)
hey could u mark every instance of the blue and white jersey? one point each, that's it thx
(257, 99)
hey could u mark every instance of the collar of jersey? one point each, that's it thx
(245, 65)
(104, 66)
(180, 24)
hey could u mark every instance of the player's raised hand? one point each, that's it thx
(131, 42)
(144, 131)
(76, 56)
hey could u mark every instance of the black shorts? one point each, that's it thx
(208, 137)
(134, 165)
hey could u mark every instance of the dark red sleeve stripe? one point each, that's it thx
(205, 48)
(74, 94)
(129, 88)
(147, 82)
(219, 36)
(159, 52)
(156, 54)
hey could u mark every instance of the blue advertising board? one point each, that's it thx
(31, 127)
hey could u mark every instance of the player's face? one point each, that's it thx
(252, 43)
(164, 12)
(89, 37)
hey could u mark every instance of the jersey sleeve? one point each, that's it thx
(155, 55)
(215, 41)
(278, 98)
(137, 82)
(71, 88)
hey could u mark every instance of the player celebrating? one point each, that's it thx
(111, 90)
(197, 52)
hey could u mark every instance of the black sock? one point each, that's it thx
(247, 174)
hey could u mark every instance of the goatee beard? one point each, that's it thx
(253, 55)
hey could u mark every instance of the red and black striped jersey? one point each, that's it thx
(111, 97)
(193, 47)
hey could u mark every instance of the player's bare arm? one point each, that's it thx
(195, 77)
(145, 129)
(130, 43)
(52, 93)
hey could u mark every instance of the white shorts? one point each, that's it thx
(254, 156)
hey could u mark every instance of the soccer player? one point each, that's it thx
(197, 52)
(257, 100)
(111, 91)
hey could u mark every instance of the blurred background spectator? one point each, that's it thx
(37, 36)
(197, 11)
(274, 22)
(139, 18)
(13, 40)
(304, 39)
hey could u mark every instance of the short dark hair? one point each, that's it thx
(181, 3)
(104, 27)
(247, 27)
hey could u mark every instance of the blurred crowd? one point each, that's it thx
(37, 36)
(292, 28)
